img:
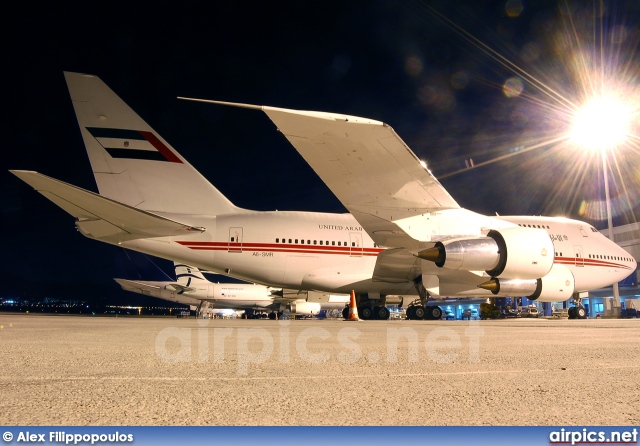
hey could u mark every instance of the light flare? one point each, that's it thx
(580, 74)
(603, 123)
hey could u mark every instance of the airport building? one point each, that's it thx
(628, 237)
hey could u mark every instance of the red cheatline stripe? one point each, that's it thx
(589, 262)
(279, 245)
(345, 253)
(160, 147)
(307, 249)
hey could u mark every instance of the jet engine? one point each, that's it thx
(513, 253)
(304, 308)
(556, 286)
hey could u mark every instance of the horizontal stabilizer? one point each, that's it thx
(135, 286)
(102, 218)
(180, 288)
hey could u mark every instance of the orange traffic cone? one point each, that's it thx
(353, 309)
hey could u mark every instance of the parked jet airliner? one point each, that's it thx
(192, 288)
(404, 236)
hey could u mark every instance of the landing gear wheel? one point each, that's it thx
(434, 313)
(381, 313)
(272, 315)
(365, 313)
(418, 313)
(411, 313)
(580, 312)
(572, 312)
(345, 312)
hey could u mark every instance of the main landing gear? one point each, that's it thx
(577, 312)
(416, 311)
(368, 311)
(373, 312)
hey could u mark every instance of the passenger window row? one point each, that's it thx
(534, 226)
(604, 257)
(315, 242)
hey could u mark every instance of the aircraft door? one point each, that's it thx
(579, 257)
(235, 239)
(582, 231)
(355, 240)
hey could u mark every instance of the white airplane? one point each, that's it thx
(193, 289)
(404, 236)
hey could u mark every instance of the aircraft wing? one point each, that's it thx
(366, 165)
(100, 217)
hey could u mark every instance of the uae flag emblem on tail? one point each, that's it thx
(133, 144)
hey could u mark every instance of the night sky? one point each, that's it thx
(457, 80)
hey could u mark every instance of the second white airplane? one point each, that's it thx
(193, 289)
(404, 236)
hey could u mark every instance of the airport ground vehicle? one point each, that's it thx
(530, 311)
(470, 314)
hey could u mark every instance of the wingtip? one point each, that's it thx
(230, 104)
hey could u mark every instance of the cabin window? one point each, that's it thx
(296, 240)
(232, 239)
(302, 241)
(339, 243)
(289, 240)
(321, 242)
(315, 242)
(277, 240)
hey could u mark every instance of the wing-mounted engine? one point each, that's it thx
(303, 308)
(512, 253)
(556, 286)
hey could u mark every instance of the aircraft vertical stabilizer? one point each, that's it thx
(131, 163)
(186, 275)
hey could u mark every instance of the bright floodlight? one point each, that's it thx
(603, 123)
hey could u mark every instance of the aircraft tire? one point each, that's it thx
(580, 312)
(410, 312)
(419, 313)
(365, 313)
(435, 312)
(571, 312)
(381, 313)
(345, 313)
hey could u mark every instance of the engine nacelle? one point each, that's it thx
(304, 308)
(556, 286)
(522, 253)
